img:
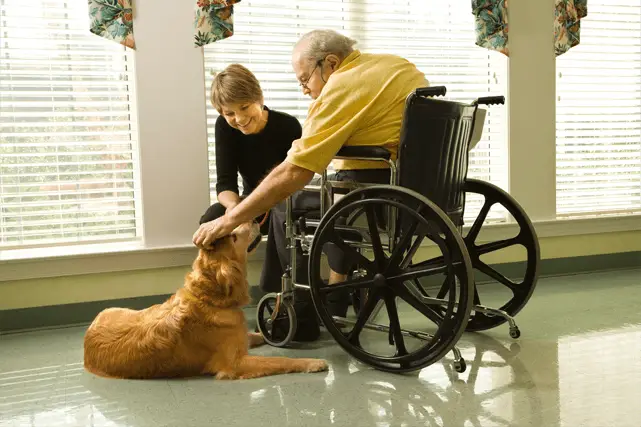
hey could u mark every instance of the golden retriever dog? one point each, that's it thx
(200, 330)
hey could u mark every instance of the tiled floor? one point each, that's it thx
(577, 364)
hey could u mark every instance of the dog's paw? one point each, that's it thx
(316, 365)
(256, 339)
(226, 376)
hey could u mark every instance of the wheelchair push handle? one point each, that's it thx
(432, 91)
(491, 100)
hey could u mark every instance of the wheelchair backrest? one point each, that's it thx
(433, 152)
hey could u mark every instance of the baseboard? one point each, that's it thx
(84, 312)
(569, 266)
(579, 265)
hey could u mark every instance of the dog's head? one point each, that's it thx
(241, 242)
(219, 273)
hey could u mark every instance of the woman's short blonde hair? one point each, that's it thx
(235, 85)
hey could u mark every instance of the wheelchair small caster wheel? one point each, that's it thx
(460, 366)
(279, 332)
(515, 333)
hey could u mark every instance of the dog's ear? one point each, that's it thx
(227, 276)
(223, 275)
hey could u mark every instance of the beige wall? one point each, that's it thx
(94, 287)
(170, 127)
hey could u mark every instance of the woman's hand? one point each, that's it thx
(282, 181)
(228, 199)
(231, 206)
(209, 232)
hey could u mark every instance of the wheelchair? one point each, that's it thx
(406, 244)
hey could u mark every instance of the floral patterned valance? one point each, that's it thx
(113, 20)
(492, 24)
(214, 21)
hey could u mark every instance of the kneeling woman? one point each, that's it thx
(250, 138)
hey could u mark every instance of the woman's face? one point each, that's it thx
(246, 117)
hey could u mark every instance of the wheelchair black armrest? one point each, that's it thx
(362, 151)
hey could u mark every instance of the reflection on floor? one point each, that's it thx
(577, 364)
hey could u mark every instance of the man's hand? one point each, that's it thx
(281, 183)
(209, 232)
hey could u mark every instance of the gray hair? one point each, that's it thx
(321, 43)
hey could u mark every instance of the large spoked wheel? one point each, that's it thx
(391, 277)
(520, 290)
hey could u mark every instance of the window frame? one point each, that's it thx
(127, 89)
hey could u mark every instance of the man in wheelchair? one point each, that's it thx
(359, 100)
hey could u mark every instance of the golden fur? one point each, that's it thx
(199, 330)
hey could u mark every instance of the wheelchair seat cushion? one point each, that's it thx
(363, 151)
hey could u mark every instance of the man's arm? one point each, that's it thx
(326, 130)
(283, 181)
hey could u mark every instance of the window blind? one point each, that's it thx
(68, 148)
(598, 148)
(437, 35)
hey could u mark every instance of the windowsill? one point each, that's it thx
(566, 227)
(75, 250)
(20, 264)
(35, 263)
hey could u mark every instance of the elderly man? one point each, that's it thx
(358, 101)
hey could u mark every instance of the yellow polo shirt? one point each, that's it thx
(361, 104)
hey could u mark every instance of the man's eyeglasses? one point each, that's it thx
(304, 84)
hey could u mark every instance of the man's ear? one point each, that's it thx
(334, 61)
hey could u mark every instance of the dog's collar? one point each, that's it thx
(254, 243)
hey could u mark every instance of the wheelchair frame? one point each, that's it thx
(295, 232)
